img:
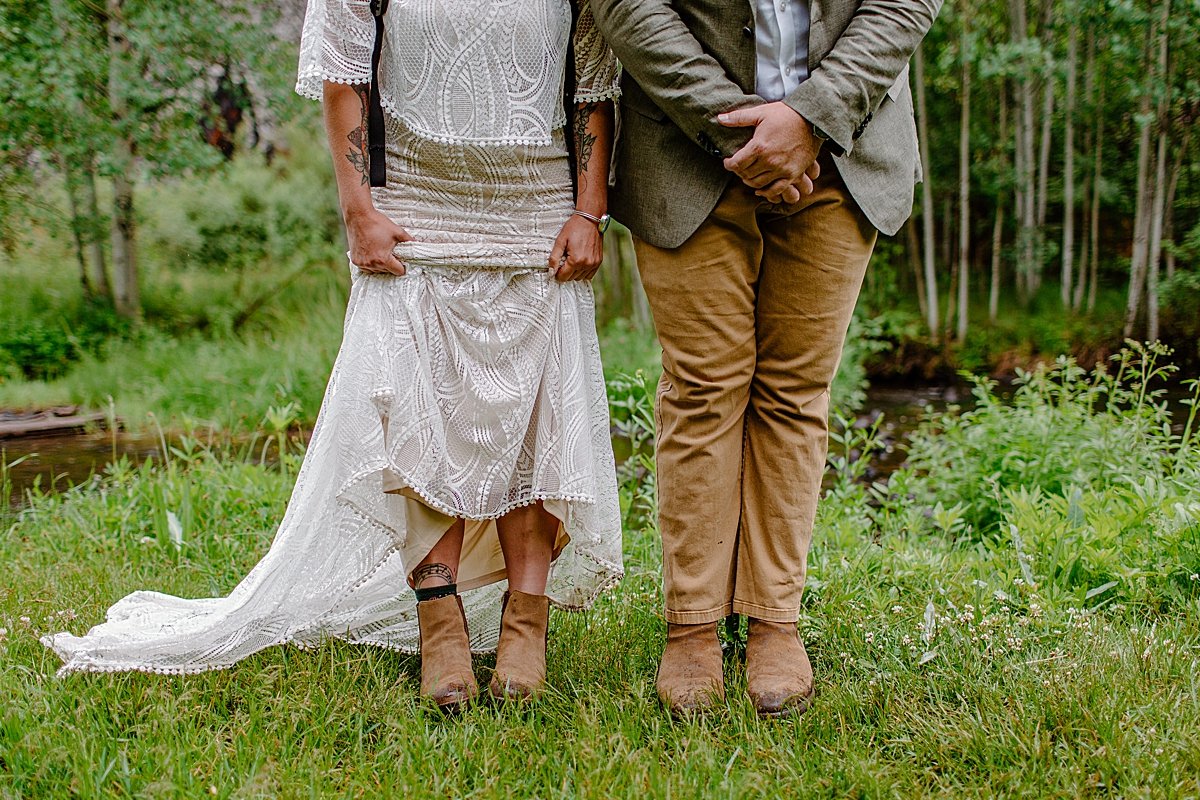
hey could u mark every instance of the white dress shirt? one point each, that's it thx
(781, 42)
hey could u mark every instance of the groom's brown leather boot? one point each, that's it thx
(521, 654)
(446, 675)
(690, 680)
(779, 677)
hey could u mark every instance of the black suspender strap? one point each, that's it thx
(376, 146)
(569, 101)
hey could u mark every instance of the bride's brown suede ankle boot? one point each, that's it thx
(521, 654)
(446, 676)
(779, 677)
(690, 680)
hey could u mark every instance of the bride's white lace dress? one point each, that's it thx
(466, 388)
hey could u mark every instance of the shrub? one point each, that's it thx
(1064, 429)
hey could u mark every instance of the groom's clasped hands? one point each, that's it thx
(780, 160)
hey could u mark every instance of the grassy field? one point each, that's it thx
(1017, 613)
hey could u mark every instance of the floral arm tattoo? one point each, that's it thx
(357, 154)
(585, 140)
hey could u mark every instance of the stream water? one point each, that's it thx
(50, 462)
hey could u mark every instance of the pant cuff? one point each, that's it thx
(764, 613)
(698, 617)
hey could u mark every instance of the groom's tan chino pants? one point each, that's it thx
(751, 312)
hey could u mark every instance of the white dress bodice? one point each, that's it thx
(487, 72)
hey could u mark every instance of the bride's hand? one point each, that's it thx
(372, 236)
(578, 251)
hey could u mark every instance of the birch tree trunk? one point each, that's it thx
(1068, 236)
(126, 298)
(932, 318)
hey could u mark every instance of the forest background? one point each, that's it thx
(162, 190)
(1003, 594)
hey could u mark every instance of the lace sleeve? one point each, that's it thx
(597, 73)
(335, 45)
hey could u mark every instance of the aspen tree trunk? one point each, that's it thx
(1154, 251)
(1172, 189)
(1043, 174)
(997, 244)
(77, 222)
(964, 181)
(1154, 257)
(1141, 227)
(914, 258)
(998, 223)
(1092, 140)
(1024, 131)
(98, 260)
(1068, 240)
(1020, 196)
(1080, 287)
(946, 242)
(125, 277)
(951, 313)
(932, 317)
(640, 306)
(1097, 178)
(1046, 35)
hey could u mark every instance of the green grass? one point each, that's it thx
(1033, 636)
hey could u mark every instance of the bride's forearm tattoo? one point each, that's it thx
(427, 571)
(585, 140)
(357, 154)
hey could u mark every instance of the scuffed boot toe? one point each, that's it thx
(779, 677)
(690, 680)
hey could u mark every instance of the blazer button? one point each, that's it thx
(747, 31)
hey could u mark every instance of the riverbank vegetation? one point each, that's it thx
(1015, 612)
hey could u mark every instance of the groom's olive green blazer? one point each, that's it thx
(688, 60)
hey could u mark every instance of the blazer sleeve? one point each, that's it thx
(846, 88)
(658, 51)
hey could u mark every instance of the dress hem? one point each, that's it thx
(615, 574)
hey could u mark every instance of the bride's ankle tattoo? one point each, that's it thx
(433, 572)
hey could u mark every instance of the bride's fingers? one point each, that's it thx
(556, 255)
(395, 265)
